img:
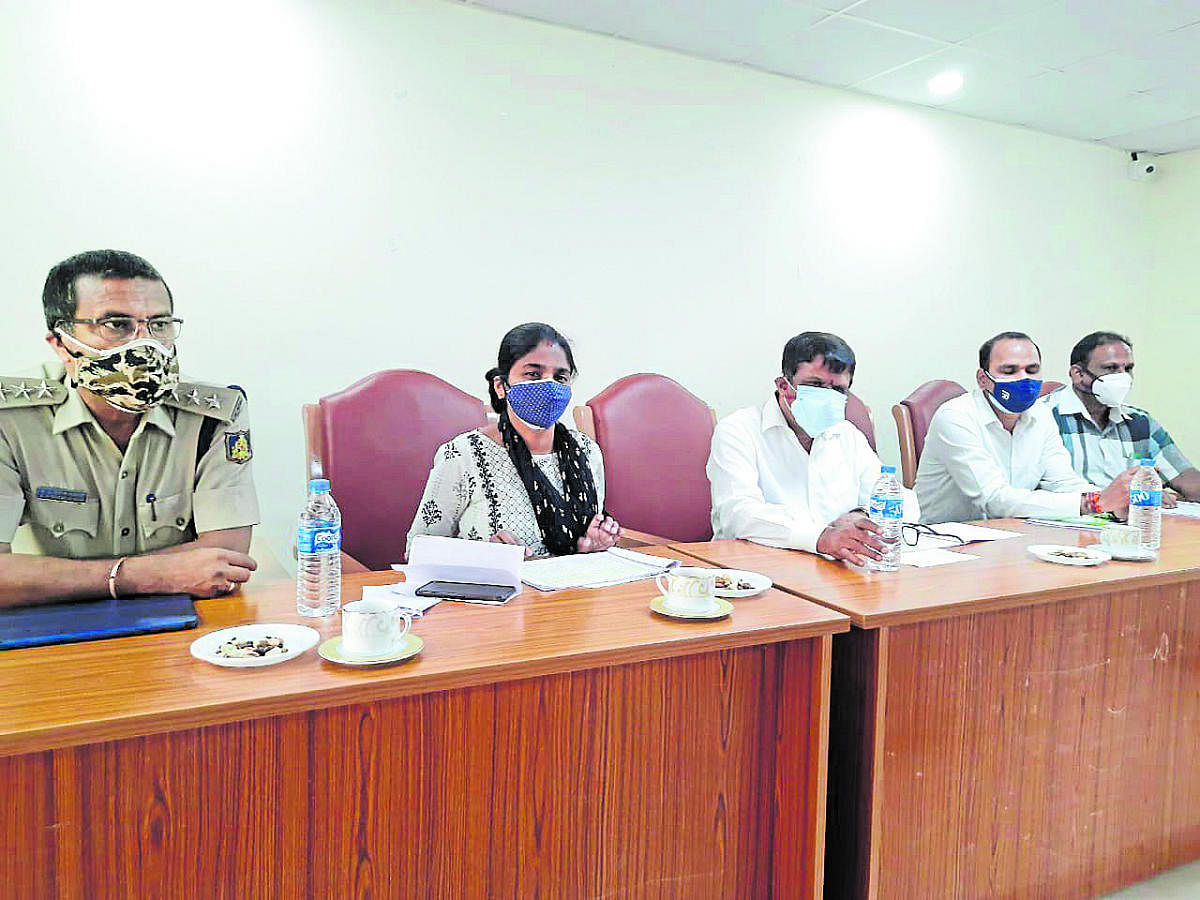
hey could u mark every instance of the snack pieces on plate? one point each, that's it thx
(725, 583)
(243, 648)
(1070, 554)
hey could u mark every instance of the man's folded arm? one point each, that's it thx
(977, 475)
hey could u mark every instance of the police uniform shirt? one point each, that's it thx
(65, 478)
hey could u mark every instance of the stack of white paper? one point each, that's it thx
(1184, 508)
(589, 570)
(934, 557)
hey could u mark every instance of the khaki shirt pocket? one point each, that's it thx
(167, 521)
(70, 525)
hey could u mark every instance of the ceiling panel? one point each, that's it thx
(949, 20)
(843, 51)
(1170, 138)
(724, 31)
(1125, 22)
(983, 77)
(1124, 72)
(1053, 37)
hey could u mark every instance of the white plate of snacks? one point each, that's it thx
(1069, 556)
(251, 646)
(735, 583)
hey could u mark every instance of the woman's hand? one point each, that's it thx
(603, 532)
(507, 537)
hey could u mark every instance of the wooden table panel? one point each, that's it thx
(1029, 752)
(570, 744)
(1004, 727)
(106, 690)
(656, 779)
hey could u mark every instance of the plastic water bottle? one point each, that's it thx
(887, 511)
(1145, 505)
(319, 553)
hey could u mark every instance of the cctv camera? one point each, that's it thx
(1142, 167)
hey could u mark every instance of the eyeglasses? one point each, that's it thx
(912, 535)
(123, 328)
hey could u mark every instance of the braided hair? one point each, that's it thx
(563, 517)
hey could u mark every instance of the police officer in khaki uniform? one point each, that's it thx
(124, 479)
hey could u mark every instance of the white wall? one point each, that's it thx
(332, 189)
(1168, 371)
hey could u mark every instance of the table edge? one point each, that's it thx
(56, 737)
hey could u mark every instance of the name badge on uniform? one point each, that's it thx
(63, 495)
(237, 447)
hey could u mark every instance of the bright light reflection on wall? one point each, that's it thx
(881, 179)
(191, 83)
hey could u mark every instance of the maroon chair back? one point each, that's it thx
(1049, 387)
(379, 437)
(859, 416)
(924, 402)
(655, 436)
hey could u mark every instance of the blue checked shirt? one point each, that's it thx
(1100, 455)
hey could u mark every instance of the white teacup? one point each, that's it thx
(688, 589)
(1121, 538)
(373, 627)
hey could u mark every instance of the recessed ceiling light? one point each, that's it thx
(946, 83)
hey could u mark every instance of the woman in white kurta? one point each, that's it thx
(527, 479)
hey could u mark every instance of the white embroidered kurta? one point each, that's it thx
(474, 491)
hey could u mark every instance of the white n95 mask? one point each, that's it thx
(1112, 389)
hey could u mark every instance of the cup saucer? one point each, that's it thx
(1130, 554)
(331, 650)
(719, 610)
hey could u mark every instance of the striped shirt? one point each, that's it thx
(1100, 455)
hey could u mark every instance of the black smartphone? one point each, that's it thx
(469, 592)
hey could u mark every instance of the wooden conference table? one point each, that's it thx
(567, 745)
(1003, 727)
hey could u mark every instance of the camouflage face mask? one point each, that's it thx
(133, 377)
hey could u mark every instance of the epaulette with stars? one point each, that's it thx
(207, 400)
(19, 392)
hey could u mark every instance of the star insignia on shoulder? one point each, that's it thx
(214, 402)
(194, 396)
(19, 390)
(43, 390)
(174, 392)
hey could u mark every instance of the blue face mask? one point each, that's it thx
(1015, 396)
(817, 409)
(538, 403)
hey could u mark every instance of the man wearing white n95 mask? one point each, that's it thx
(793, 472)
(995, 452)
(1103, 433)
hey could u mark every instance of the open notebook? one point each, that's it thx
(590, 570)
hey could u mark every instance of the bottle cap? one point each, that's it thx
(888, 470)
(319, 485)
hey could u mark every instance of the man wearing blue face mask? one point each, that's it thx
(793, 472)
(995, 452)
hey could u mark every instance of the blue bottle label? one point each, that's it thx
(319, 538)
(1145, 498)
(887, 507)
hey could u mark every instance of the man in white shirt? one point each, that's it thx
(996, 452)
(793, 472)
